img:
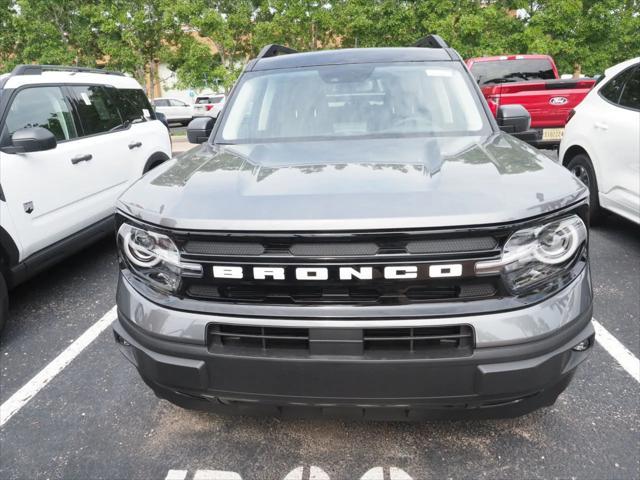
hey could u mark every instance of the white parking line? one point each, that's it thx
(617, 350)
(19, 399)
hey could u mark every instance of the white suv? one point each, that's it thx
(209, 105)
(601, 142)
(71, 141)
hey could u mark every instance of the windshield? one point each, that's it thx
(503, 71)
(355, 100)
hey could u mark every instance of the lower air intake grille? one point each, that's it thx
(264, 338)
(423, 342)
(438, 341)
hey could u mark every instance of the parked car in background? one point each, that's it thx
(209, 105)
(601, 145)
(533, 82)
(175, 110)
(71, 141)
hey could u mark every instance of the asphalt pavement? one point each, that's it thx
(96, 419)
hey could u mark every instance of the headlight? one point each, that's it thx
(154, 257)
(535, 255)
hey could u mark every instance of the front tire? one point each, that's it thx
(4, 302)
(582, 168)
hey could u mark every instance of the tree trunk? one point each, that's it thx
(577, 70)
(152, 79)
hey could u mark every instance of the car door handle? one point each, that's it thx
(601, 126)
(81, 158)
(135, 145)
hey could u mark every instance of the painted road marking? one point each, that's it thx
(307, 473)
(392, 473)
(617, 350)
(19, 399)
(300, 473)
(176, 475)
(216, 475)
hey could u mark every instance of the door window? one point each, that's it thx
(630, 96)
(612, 90)
(177, 103)
(133, 104)
(161, 103)
(96, 108)
(40, 107)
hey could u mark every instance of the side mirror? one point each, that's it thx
(513, 118)
(199, 129)
(163, 118)
(34, 139)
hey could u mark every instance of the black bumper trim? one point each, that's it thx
(507, 381)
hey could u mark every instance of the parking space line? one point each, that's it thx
(19, 399)
(617, 350)
(176, 475)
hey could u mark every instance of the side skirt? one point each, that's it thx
(60, 250)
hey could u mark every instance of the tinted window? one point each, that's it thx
(96, 109)
(40, 107)
(202, 100)
(387, 100)
(177, 103)
(161, 103)
(631, 93)
(503, 71)
(613, 88)
(133, 104)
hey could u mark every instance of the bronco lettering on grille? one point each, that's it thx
(342, 273)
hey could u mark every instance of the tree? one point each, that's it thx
(584, 35)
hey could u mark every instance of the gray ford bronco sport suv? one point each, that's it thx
(357, 236)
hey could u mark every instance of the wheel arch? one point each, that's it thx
(154, 160)
(572, 152)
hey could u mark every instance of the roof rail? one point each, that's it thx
(274, 50)
(38, 69)
(431, 41)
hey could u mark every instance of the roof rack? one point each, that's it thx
(38, 69)
(274, 50)
(431, 41)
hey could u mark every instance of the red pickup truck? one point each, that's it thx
(533, 82)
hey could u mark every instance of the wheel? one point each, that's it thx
(4, 302)
(582, 168)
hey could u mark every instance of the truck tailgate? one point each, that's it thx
(549, 101)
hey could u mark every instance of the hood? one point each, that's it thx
(353, 185)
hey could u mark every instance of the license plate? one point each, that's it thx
(552, 133)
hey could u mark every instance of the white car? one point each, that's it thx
(175, 110)
(71, 141)
(601, 142)
(208, 105)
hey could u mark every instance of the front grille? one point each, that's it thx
(336, 295)
(369, 250)
(423, 342)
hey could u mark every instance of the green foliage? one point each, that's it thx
(204, 40)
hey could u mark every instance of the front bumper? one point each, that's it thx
(507, 380)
